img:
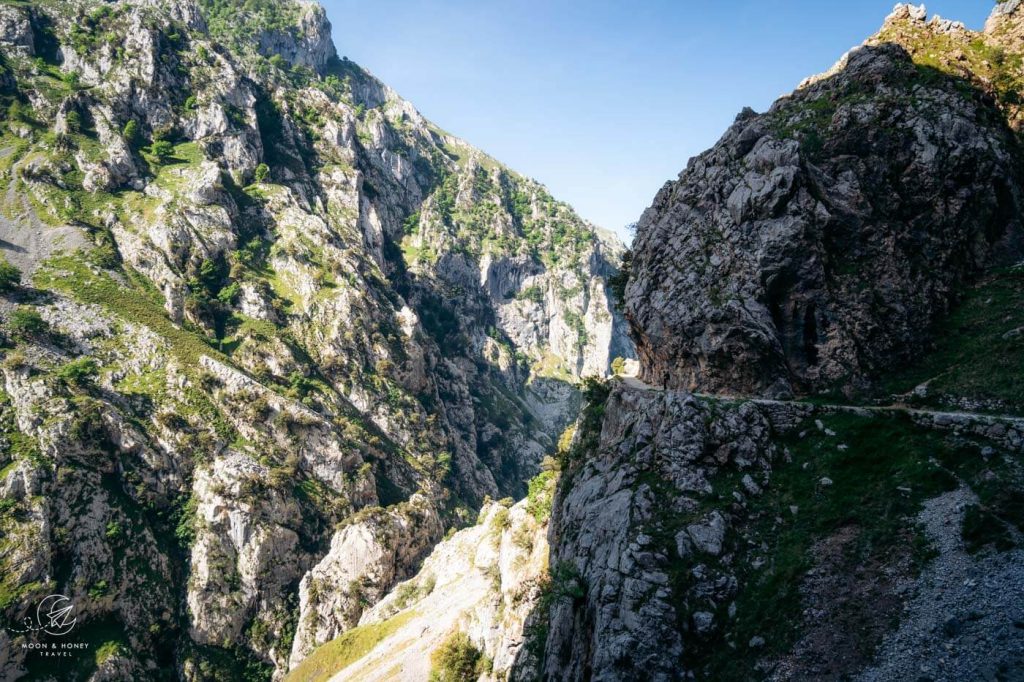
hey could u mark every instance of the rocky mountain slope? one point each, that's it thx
(483, 583)
(886, 170)
(268, 335)
(859, 247)
(277, 339)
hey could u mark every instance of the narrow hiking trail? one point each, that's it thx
(939, 416)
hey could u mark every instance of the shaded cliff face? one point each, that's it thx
(816, 245)
(275, 333)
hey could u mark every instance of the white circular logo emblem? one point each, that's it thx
(56, 615)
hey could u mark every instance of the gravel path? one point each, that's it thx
(964, 618)
(1011, 420)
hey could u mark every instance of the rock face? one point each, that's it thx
(483, 581)
(245, 553)
(817, 246)
(307, 42)
(16, 31)
(277, 332)
(749, 271)
(364, 561)
(617, 615)
(677, 523)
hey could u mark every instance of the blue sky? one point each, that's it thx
(602, 101)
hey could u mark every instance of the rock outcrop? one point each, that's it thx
(713, 538)
(707, 525)
(816, 245)
(366, 559)
(626, 520)
(484, 581)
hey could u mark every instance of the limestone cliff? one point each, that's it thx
(269, 318)
(816, 245)
(483, 583)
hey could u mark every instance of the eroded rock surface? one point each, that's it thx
(619, 615)
(749, 273)
(732, 533)
(275, 332)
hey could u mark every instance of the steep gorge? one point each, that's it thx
(274, 334)
(284, 355)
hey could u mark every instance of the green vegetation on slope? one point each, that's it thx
(989, 64)
(10, 276)
(342, 652)
(72, 276)
(458, 660)
(866, 483)
(541, 490)
(235, 20)
(979, 350)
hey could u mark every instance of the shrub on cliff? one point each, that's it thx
(457, 660)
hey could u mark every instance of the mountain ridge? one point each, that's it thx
(736, 512)
(285, 355)
(275, 334)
